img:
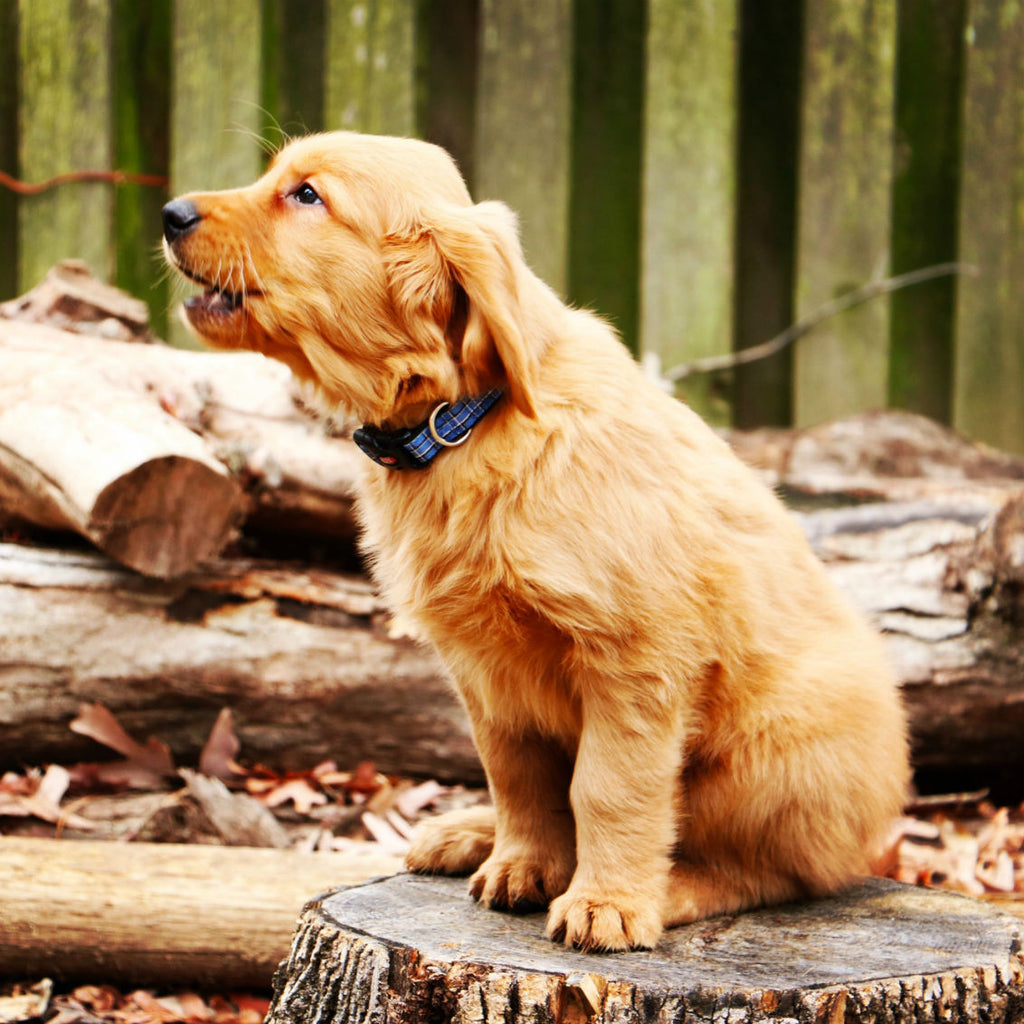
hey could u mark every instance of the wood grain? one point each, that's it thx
(410, 947)
(159, 913)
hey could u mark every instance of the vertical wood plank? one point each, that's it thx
(215, 115)
(8, 146)
(607, 142)
(771, 55)
(142, 75)
(844, 203)
(447, 57)
(688, 188)
(989, 359)
(293, 67)
(370, 66)
(65, 126)
(924, 206)
(524, 123)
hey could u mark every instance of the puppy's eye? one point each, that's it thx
(306, 195)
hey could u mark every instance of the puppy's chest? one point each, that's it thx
(509, 663)
(449, 574)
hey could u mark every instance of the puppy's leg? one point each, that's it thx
(623, 798)
(697, 891)
(534, 846)
(456, 843)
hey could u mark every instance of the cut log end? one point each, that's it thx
(414, 949)
(166, 516)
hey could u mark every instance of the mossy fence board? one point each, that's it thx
(844, 188)
(523, 123)
(988, 399)
(701, 171)
(64, 61)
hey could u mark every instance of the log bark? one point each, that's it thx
(306, 660)
(944, 581)
(70, 298)
(79, 453)
(87, 421)
(302, 656)
(416, 949)
(877, 456)
(159, 914)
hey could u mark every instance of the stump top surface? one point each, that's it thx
(877, 930)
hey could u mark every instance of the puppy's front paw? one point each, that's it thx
(456, 843)
(509, 882)
(594, 921)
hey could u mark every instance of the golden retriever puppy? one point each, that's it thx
(678, 714)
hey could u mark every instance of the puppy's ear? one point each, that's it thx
(475, 249)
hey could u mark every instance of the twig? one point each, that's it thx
(25, 188)
(856, 297)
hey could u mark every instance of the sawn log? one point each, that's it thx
(157, 454)
(159, 914)
(311, 665)
(416, 949)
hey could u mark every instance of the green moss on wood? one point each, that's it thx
(524, 125)
(771, 42)
(688, 188)
(142, 76)
(844, 202)
(215, 113)
(447, 48)
(370, 66)
(925, 202)
(293, 67)
(8, 146)
(607, 142)
(989, 358)
(65, 125)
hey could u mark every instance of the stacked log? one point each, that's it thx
(159, 457)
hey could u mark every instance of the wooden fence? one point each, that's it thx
(704, 172)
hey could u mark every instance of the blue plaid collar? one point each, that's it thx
(416, 447)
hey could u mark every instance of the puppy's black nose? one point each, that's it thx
(180, 217)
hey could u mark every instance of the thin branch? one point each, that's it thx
(824, 312)
(25, 188)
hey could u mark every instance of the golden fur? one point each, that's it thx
(678, 714)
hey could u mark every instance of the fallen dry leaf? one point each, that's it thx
(39, 796)
(411, 801)
(298, 791)
(21, 1003)
(384, 833)
(102, 1004)
(979, 851)
(217, 757)
(143, 767)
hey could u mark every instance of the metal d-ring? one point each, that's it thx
(432, 427)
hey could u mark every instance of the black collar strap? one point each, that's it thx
(448, 426)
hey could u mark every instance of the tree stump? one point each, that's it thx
(413, 949)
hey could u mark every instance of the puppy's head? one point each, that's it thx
(362, 263)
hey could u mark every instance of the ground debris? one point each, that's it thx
(143, 796)
(103, 1004)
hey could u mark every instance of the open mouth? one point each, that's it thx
(214, 302)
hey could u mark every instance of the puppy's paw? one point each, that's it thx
(456, 843)
(510, 882)
(594, 921)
